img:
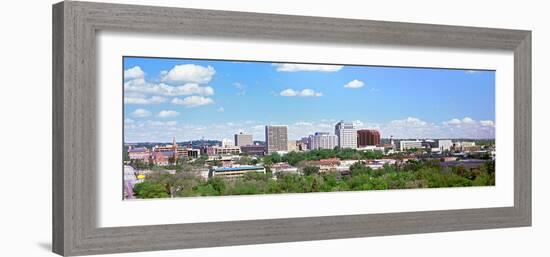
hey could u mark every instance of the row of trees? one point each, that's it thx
(293, 158)
(414, 174)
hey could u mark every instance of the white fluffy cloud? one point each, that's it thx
(142, 86)
(464, 121)
(468, 120)
(168, 113)
(133, 73)
(355, 84)
(141, 113)
(288, 92)
(409, 121)
(302, 93)
(454, 121)
(193, 101)
(188, 73)
(303, 124)
(291, 67)
(410, 127)
(487, 123)
(142, 100)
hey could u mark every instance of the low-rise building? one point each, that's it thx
(193, 153)
(468, 143)
(409, 144)
(254, 150)
(163, 158)
(283, 167)
(448, 159)
(465, 146)
(445, 145)
(139, 154)
(330, 164)
(236, 171)
(372, 148)
(223, 150)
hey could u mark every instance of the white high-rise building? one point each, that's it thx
(347, 135)
(322, 140)
(276, 138)
(444, 144)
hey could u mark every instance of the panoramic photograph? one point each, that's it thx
(197, 127)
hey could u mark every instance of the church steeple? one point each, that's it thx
(175, 148)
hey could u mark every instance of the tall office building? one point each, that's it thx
(347, 135)
(276, 138)
(243, 139)
(322, 140)
(367, 137)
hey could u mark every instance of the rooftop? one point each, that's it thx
(226, 169)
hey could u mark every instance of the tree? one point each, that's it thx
(244, 160)
(359, 168)
(125, 156)
(314, 185)
(201, 160)
(174, 183)
(216, 162)
(218, 184)
(276, 157)
(310, 170)
(150, 190)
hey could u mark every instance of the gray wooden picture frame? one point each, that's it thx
(75, 25)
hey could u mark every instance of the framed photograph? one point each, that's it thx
(183, 128)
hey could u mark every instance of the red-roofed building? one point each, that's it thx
(329, 162)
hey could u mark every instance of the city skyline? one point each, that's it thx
(194, 99)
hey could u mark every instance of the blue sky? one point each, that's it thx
(191, 99)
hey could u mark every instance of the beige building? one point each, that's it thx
(276, 138)
(220, 150)
(292, 146)
(243, 139)
(347, 134)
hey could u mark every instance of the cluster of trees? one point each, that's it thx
(293, 158)
(413, 174)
